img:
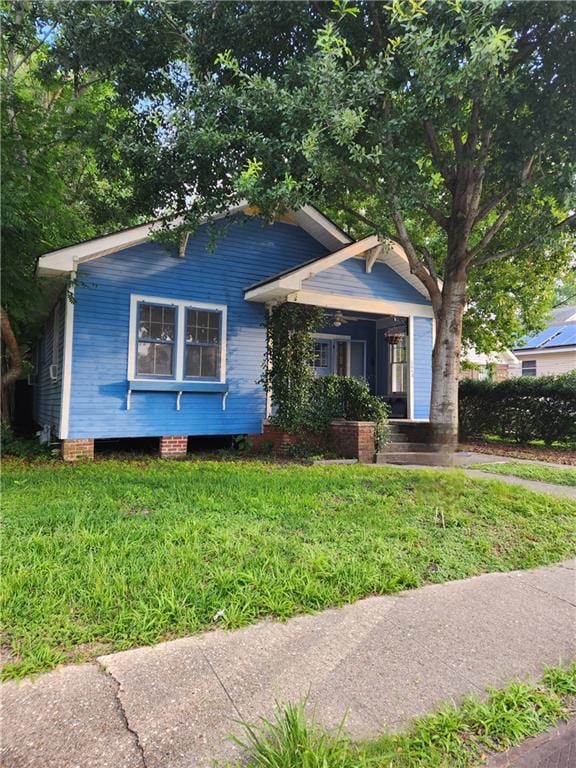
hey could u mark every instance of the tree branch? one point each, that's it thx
(489, 234)
(428, 259)
(416, 266)
(26, 57)
(180, 32)
(517, 249)
(438, 216)
(361, 217)
(495, 200)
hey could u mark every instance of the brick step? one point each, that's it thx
(403, 446)
(425, 458)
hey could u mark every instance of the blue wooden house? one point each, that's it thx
(169, 342)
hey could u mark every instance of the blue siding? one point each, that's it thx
(246, 253)
(48, 392)
(351, 279)
(422, 366)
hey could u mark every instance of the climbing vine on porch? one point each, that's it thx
(289, 362)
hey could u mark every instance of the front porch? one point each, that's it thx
(379, 320)
(367, 346)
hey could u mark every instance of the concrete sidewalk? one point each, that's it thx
(562, 491)
(383, 660)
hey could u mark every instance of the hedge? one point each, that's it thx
(520, 409)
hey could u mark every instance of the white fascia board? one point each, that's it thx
(320, 227)
(283, 286)
(359, 304)
(393, 255)
(534, 352)
(65, 259)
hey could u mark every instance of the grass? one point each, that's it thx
(538, 472)
(454, 737)
(108, 555)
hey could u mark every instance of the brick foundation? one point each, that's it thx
(349, 439)
(72, 450)
(353, 440)
(278, 441)
(173, 447)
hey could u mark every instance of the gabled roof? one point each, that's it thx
(65, 259)
(284, 283)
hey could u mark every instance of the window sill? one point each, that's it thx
(149, 385)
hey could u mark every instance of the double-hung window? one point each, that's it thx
(398, 358)
(176, 340)
(156, 340)
(203, 329)
(528, 367)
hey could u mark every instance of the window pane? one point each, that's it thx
(193, 361)
(203, 361)
(145, 358)
(357, 361)
(157, 322)
(163, 359)
(156, 315)
(398, 377)
(321, 354)
(528, 367)
(155, 359)
(210, 362)
(202, 327)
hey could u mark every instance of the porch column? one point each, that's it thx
(410, 364)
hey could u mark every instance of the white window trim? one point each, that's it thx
(181, 305)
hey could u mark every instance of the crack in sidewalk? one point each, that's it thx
(542, 590)
(132, 731)
(217, 676)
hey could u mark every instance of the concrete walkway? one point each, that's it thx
(562, 491)
(383, 660)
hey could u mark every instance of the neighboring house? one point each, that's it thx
(497, 366)
(553, 351)
(169, 342)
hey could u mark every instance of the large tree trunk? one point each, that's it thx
(10, 345)
(446, 365)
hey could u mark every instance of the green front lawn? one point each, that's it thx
(108, 555)
(538, 472)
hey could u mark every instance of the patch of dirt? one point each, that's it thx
(6, 656)
(88, 651)
(514, 451)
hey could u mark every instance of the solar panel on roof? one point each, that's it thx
(555, 336)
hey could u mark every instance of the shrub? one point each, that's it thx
(521, 409)
(342, 397)
(20, 447)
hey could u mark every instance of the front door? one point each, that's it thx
(340, 356)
